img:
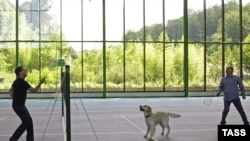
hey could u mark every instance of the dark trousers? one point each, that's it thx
(238, 106)
(27, 123)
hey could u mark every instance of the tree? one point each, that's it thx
(246, 55)
(174, 29)
(131, 35)
(195, 26)
(213, 15)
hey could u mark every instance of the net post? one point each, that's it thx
(67, 102)
(61, 64)
(62, 91)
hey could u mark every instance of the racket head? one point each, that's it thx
(208, 101)
(51, 66)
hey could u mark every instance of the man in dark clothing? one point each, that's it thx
(229, 85)
(18, 93)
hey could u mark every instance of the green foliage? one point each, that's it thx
(174, 29)
(8, 78)
(114, 65)
(133, 64)
(92, 68)
(214, 66)
(246, 55)
(196, 65)
(177, 68)
(32, 77)
(154, 65)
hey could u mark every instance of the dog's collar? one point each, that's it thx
(147, 116)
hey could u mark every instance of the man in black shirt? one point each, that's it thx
(18, 93)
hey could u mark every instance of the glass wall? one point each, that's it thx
(125, 45)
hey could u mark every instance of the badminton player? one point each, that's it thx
(18, 93)
(229, 85)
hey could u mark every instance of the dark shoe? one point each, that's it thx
(222, 123)
(12, 139)
(246, 123)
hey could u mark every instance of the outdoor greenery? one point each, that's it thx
(125, 62)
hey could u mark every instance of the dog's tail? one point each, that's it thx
(174, 115)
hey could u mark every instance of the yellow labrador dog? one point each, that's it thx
(153, 119)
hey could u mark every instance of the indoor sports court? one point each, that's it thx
(81, 70)
(113, 119)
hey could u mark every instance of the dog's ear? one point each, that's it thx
(148, 109)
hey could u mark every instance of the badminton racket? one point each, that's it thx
(51, 66)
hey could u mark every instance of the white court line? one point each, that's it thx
(106, 133)
(109, 133)
(87, 133)
(131, 122)
(49, 134)
(187, 130)
(1, 119)
(192, 130)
